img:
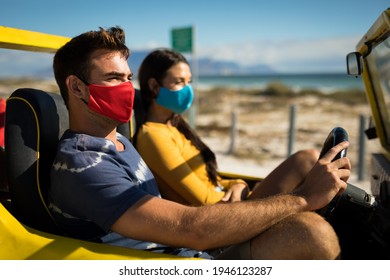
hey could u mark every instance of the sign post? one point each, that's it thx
(182, 40)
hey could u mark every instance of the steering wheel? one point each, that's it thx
(336, 136)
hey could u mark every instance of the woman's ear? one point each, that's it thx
(153, 86)
(75, 86)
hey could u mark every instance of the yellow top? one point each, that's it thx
(178, 166)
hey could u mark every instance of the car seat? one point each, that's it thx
(34, 122)
(137, 118)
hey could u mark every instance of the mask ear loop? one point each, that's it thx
(84, 81)
(87, 84)
(85, 101)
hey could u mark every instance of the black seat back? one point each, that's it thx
(33, 124)
(128, 129)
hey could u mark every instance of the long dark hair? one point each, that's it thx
(155, 65)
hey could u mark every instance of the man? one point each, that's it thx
(101, 189)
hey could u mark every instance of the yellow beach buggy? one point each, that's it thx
(34, 121)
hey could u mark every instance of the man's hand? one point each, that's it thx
(327, 179)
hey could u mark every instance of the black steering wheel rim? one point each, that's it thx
(336, 136)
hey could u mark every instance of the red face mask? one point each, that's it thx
(115, 102)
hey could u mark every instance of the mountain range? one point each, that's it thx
(208, 66)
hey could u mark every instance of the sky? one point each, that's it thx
(290, 36)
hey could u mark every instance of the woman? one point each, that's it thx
(184, 166)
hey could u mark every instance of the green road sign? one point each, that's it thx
(182, 39)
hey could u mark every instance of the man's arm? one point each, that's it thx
(206, 227)
(218, 225)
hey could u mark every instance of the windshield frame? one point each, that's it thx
(371, 47)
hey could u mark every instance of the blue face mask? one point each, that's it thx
(178, 101)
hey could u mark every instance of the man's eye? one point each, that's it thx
(116, 80)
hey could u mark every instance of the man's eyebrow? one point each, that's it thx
(117, 74)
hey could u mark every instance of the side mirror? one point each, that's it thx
(354, 64)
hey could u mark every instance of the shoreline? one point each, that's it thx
(327, 82)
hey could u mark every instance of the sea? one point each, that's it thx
(327, 82)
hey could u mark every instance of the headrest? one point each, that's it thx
(34, 122)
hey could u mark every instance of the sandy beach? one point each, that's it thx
(262, 125)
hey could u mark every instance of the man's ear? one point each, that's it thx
(75, 86)
(153, 86)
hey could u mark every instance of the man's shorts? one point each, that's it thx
(240, 251)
